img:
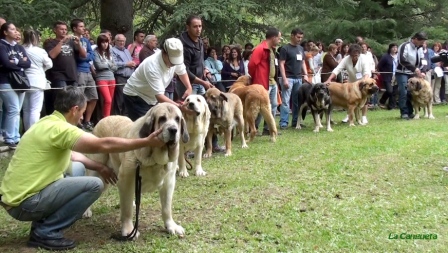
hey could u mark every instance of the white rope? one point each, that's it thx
(122, 84)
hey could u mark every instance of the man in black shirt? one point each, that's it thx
(62, 52)
(292, 67)
(194, 62)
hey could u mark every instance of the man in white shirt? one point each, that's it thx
(357, 66)
(146, 87)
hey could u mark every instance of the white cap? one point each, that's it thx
(338, 40)
(175, 50)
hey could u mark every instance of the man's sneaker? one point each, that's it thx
(89, 126)
(405, 116)
(11, 146)
(283, 126)
(345, 120)
(50, 244)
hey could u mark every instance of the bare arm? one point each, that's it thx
(186, 81)
(281, 65)
(106, 173)
(90, 144)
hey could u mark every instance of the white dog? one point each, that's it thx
(158, 165)
(197, 125)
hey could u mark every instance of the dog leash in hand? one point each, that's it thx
(138, 195)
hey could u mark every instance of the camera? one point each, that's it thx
(442, 57)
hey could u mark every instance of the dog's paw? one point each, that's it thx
(352, 124)
(316, 130)
(417, 116)
(244, 146)
(228, 153)
(431, 116)
(298, 126)
(200, 172)
(87, 214)
(127, 229)
(183, 173)
(329, 129)
(361, 123)
(207, 155)
(320, 126)
(174, 229)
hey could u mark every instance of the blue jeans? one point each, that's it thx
(292, 90)
(59, 205)
(273, 98)
(197, 89)
(12, 104)
(404, 100)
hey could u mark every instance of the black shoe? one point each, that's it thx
(50, 244)
(411, 116)
(89, 126)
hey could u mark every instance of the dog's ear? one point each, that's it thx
(362, 84)
(223, 96)
(148, 127)
(418, 85)
(184, 130)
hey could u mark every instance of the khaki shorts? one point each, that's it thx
(87, 84)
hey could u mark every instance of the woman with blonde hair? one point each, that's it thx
(40, 62)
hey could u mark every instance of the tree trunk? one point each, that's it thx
(117, 17)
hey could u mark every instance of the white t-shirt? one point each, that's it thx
(354, 72)
(151, 78)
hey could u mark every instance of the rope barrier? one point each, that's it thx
(122, 84)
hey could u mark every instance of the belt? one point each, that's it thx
(7, 208)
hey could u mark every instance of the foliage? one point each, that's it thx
(344, 191)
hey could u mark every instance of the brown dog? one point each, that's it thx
(421, 96)
(255, 100)
(226, 109)
(352, 96)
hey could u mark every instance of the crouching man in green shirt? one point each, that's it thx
(34, 188)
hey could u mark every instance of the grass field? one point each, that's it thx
(346, 191)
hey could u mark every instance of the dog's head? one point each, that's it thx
(215, 100)
(197, 104)
(415, 84)
(368, 86)
(320, 91)
(168, 117)
(241, 82)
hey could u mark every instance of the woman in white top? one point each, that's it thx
(40, 62)
(357, 67)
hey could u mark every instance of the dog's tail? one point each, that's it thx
(267, 115)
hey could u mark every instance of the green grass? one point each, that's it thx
(344, 191)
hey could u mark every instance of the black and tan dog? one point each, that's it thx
(226, 110)
(317, 98)
(352, 96)
(421, 93)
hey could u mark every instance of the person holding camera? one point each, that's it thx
(411, 60)
(232, 68)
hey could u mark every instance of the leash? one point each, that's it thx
(138, 195)
(189, 167)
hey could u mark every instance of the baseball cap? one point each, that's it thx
(175, 50)
(338, 40)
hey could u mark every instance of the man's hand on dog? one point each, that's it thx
(108, 175)
(184, 108)
(154, 140)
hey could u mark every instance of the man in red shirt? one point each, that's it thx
(263, 69)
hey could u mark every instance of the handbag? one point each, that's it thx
(19, 81)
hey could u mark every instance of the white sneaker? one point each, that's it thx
(345, 120)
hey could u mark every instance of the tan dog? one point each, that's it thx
(158, 165)
(352, 96)
(255, 100)
(226, 109)
(197, 125)
(421, 92)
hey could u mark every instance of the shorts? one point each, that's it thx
(87, 84)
